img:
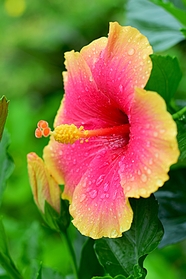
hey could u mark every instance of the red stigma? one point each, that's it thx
(42, 129)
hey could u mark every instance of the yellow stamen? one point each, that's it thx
(70, 133)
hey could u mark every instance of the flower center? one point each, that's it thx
(70, 133)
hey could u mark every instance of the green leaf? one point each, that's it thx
(181, 137)
(109, 277)
(6, 163)
(89, 265)
(169, 7)
(125, 255)
(54, 220)
(159, 26)
(46, 273)
(172, 207)
(184, 32)
(165, 76)
(39, 274)
(137, 275)
(5, 259)
(3, 113)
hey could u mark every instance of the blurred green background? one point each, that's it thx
(34, 36)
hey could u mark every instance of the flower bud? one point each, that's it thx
(43, 185)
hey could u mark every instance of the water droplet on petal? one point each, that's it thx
(100, 179)
(143, 191)
(131, 51)
(120, 87)
(114, 194)
(93, 194)
(149, 171)
(102, 196)
(128, 188)
(150, 161)
(113, 233)
(143, 178)
(159, 182)
(82, 198)
(162, 131)
(105, 187)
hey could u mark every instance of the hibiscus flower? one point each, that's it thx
(112, 139)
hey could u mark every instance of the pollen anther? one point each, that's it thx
(68, 133)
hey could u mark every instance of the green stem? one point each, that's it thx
(179, 113)
(71, 253)
(9, 266)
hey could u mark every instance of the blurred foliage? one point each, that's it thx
(34, 36)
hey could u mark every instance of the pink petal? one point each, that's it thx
(123, 64)
(68, 163)
(84, 104)
(99, 207)
(152, 147)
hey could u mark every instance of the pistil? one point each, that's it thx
(68, 134)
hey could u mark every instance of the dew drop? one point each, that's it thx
(159, 182)
(100, 180)
(128, 188)
(131, 51)
(132, 178)
(162, 131)
(143, 178)
(144, 56)
(113, 233)
(143, 191)
(102, 196)
(149, 171)
(150, 161)
(115, 194)
(139, 172)
(93, 194)
(83, 197)
(148, 143)
(105, 187)
(120, 87)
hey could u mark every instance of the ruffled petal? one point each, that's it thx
(99, 207)
(123, 64)
(68, 163)
(152, 147)
(84, 104)
(44, 186)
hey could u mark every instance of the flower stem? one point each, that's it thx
(71, 253)
(179, 113)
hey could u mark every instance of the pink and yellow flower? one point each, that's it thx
(112, 139)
